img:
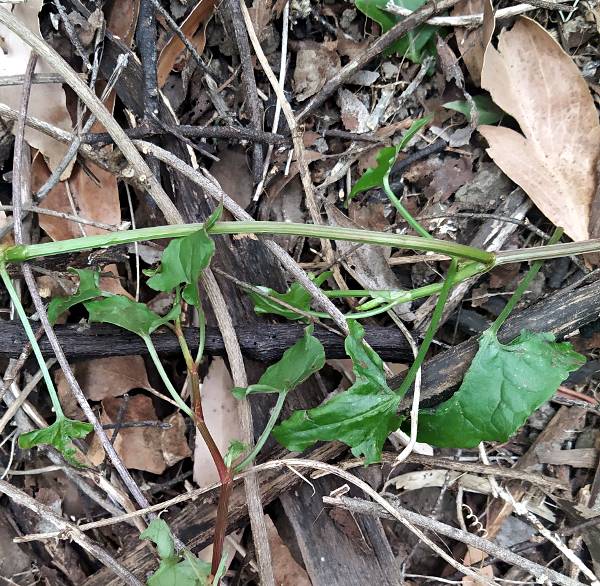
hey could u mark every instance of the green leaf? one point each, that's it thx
(158, 532)
(386, 158)
(416, 44)
(128, 314)
(88, 289)
(174, 570)
(234, 451)
(296, 296)
(297, 364)
(488, 112)
(361, 417)
(503, 386)
(182, 262)
(58, 435)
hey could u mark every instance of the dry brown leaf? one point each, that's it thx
(47, 101)
(142, 448)
(355, 115)
(472, 42)
(221, 411)
(537, 83)
(315, 64)
(286, 570)
(121, 19)
(261, 14)
(110, 377)
(194, 29)
(234, 176)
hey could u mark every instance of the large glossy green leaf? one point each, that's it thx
(296, 296)
(59, 435)
(503, 386)
(297, 364)
(374, 176)
(416, 44)
(361, 417)
(182, 262)
(88, 289)
(488, 112)
(128, 314)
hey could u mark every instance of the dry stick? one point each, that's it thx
(20, 186)
(235, 8)
(7, 80)
(309, 191)
(139, 166)
(285, 17)
(542, 573)
(240, 379)
(383, 42)
(471, 19)
(69, 530)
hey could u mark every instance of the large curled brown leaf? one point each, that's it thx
(537, 83)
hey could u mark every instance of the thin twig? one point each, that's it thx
(69, 530)
(8, 80)
(543, 574)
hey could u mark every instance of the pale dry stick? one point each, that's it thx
(69, 530)
(282, 69)
(139, 167)
(521, 509)
(71, 218)
(465, 19)
(240, 379)
(305, 177)
(542, 574)
(8, 80)
(212, 188)
(20, 190)
(25, 391)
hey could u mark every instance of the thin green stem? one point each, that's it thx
(165, 378)
(201, 332)
(403, 211)
(523, 285)
(32, 340)
(28, 252)
(430, 333)
(264, 435)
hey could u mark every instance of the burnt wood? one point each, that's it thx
(261, 342)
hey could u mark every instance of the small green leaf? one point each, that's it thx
(416, 44)
(182, 262)
(128, 314)
(158, 532)
(361, 417)
(88, 289)
(386, 158)
(488, 112)
(174, 569)
(296, 296)
(58, 435)
(214, 217)
(503, 386)
(234, 451)
(297, 364)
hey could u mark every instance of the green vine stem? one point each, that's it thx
(516, 296)
(430, 333)
(28, 252)
(265, 433)
(32, 340)
(402, 210)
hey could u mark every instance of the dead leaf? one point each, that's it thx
(355, 115)
(142, 448)
(234, 176)
(286, 570)
(537, 83)
(472, 42)
(448, 177)
(110, 377)
(47, 101)
(194, 29)
(261, 14)
(93, 201)
(121, 19)
(315, 64)
(221, 412)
